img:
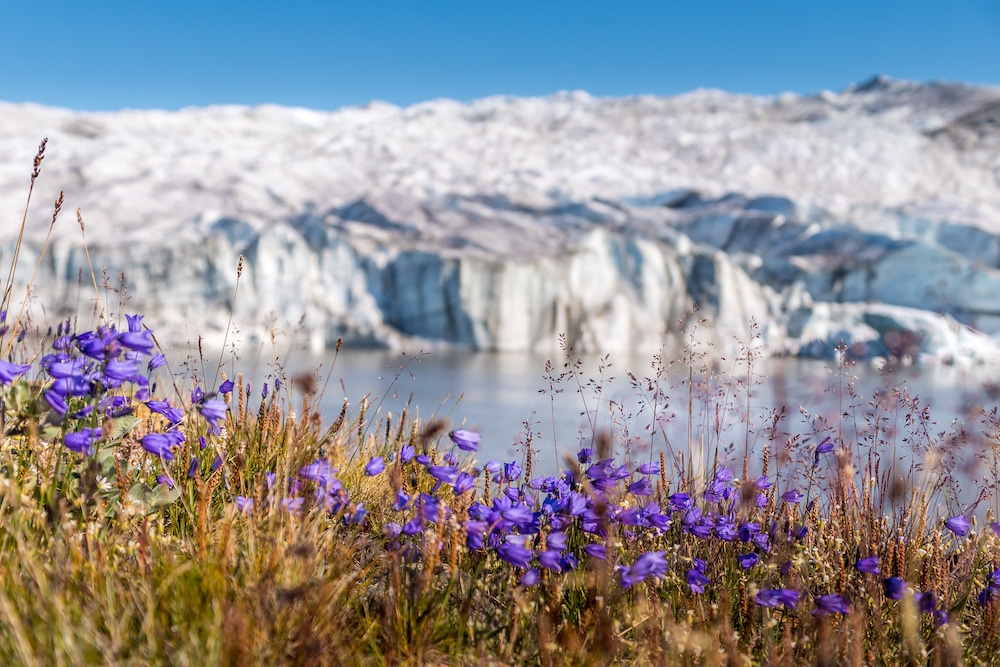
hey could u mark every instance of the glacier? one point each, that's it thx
(866, 219)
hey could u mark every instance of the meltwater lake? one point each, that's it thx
(504, 396)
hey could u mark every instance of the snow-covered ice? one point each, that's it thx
(870, 215)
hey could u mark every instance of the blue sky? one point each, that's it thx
(104, 54)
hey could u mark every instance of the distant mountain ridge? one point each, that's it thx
(500, 223)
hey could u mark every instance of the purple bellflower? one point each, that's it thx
(9, 371)
(958, 525)
(697, 580)
(550, 560)
(402, 500)
(82, 441)
(467, 441)
(926, 601)
(139, 341)
(159, 444)
(556, 541)
(515, 554)
(321, 472)
(832, 604)
(680, 502)
(895, 588)
(475, 533)
(156, 361)
(793, 496)
(772, 597)
(652, 564)
(214, 411)
(641, 487)
(531, 577)
(121, 371)
(375, 467)
(463, 483)
(173, 415)
(244, 504)
(56, 401)
(443, 474)
(413, 526)
(868, 565)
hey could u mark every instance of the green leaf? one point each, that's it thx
(153, 497)
(105, 458)
(164, 495)
(19, 395)
(52, 433)
(123, 425)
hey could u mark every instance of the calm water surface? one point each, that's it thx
(504, 396)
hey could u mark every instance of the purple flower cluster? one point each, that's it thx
(896, 588)
(551, 523)
(88, 373)
(104, 374)
(316, 482)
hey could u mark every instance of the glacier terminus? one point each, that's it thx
(869, 216)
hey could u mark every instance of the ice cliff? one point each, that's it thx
(869, 216)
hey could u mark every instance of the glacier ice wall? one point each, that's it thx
(610, 292)
(869, 217)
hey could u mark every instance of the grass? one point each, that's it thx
(152, 518)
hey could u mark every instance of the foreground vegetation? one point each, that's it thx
(150, 515)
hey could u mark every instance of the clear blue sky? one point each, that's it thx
(112, 54)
